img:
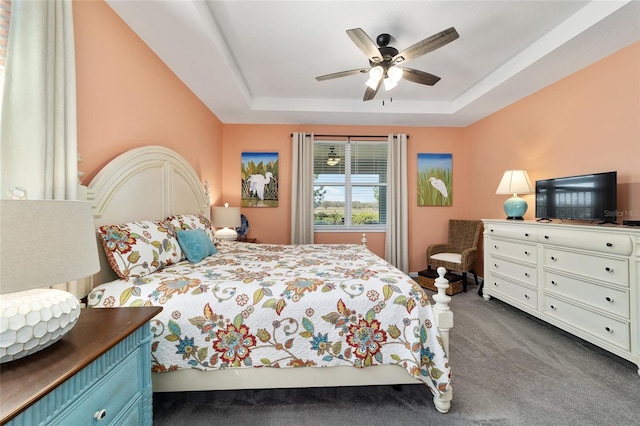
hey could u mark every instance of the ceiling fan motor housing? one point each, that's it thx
(383, 40)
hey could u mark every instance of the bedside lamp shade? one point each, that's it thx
(42, 243)
(515, 182)
(227, 218)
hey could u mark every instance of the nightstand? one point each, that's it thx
(99, 371)
(247, 240)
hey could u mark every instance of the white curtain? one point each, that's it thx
(38, 125)
(397, 238)
(302, 189)
(39, 149)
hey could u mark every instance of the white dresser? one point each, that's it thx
(584, 279)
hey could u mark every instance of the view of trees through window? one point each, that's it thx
(352, 192)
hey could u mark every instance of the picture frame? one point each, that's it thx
(435, 179)
(259, 179)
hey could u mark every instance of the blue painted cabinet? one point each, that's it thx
(99, 373)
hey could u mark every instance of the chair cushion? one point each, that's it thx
(448, 257)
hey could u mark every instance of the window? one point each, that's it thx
(352, 194)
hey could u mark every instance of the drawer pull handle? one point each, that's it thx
(553, 307)
(526, 274)
(495, 265)
(527, 253)
(490, 230)
(554, 258)
(546, 237)
(609, 245)
(609, 329)
(495, 247)
(495, 284)
(553, 282)
(100, 414)
(526, 234)
(526, 296)
(609, 299)
(608, 269)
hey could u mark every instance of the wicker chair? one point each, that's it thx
(460, 253)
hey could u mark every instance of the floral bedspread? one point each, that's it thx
(260, 305)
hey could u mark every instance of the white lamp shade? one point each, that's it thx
(45, 242)
(226, 217)
(375, 74)
(389, 83)
(395, 73)
(42, 243)
(515, 182)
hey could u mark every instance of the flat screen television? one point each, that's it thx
(586, 197)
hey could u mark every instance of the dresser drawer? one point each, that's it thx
(604, 298)
(594, 241)
(521, 294)
(524, 273)
(514, 250)
(111, 394)
(601, 326)
(512, 232)
(609, 269)
(132, 414)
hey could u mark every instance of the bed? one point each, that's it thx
(248, 316)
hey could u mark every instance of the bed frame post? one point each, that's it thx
(444, 320)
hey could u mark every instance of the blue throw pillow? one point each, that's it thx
(196, 244)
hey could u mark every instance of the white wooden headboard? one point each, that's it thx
(150, 182)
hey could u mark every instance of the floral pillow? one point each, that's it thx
(137, 249)
(186, 222)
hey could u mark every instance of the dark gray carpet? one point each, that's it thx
(508, 369)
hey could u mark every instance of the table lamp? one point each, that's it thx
(42, 243)
(515, 182)
(227, 218)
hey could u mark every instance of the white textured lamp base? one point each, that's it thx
(226, 234)
(34, 319)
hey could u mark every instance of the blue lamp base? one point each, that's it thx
(515, 207)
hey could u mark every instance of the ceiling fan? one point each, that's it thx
(384, 60)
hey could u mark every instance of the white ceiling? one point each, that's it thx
(256, 61)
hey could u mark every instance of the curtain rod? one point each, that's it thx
(350, 136)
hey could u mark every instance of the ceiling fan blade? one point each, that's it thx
(365, 44)
(427, 45)
(419, 77)
(342, 74)
(371, 93)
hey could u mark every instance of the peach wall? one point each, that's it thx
(427, 224)
(127, 97)
(586, 122)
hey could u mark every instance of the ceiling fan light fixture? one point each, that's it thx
(375, 74)
(395, 73)
(389, 83)
(332, 158)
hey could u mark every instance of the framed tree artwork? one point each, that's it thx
(259, 179)
(435, 179)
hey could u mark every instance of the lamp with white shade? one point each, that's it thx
(227, 218)
(515, 182)
(42, 243)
